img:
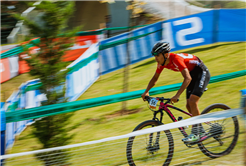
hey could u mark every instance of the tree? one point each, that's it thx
(47, 65)
(220, 4)
(134, 5)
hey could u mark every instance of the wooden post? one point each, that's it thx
(126, 68)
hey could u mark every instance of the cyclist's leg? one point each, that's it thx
(189, 90)
(190, 97)
(192, 101)
(200, 78)
(193, 104)
(197, 129)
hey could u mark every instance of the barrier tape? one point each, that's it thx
(187, 122)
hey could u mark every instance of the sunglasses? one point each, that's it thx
(154, 54)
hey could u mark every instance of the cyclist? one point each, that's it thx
(196, 78)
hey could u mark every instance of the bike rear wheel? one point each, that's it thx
(150, 149)
(224, 133)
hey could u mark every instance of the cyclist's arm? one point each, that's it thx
(187, 79)
(152, 83)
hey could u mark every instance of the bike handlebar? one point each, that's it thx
(148, 98)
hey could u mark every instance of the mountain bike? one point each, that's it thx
(218, 139)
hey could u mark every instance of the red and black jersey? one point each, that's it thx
(179, 62)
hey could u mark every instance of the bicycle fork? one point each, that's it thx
(153, 145)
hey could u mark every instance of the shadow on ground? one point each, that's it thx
(146, 63)
(194, 163)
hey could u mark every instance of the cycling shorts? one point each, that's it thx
(200, 78)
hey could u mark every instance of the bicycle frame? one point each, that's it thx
(164, 107)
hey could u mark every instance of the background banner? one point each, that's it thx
(223, 25)
(83, 73)
(189, 31)
(14, 65)
(113, 57)
(9, 68)
(231, 25)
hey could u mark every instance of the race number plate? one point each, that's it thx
(153, 102)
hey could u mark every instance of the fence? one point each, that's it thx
(28, 95)
(55, 109)
(12, 63)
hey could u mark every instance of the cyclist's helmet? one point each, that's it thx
(160, 47)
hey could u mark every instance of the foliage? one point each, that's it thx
(134, 5)
(51, 132)
(219, 4)
(47, 65)
(4, 4)
(225, 3)
(235, 4)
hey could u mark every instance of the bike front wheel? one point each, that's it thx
(224, 133)
(150, 149)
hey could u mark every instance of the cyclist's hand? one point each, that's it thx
(144, 94)
(174, 99)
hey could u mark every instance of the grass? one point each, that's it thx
(225, 5)
(10, 44)
(7, 88)
(95, 123)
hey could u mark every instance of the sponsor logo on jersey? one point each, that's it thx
(194, 62)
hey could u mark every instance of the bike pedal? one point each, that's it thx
(190, 144)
